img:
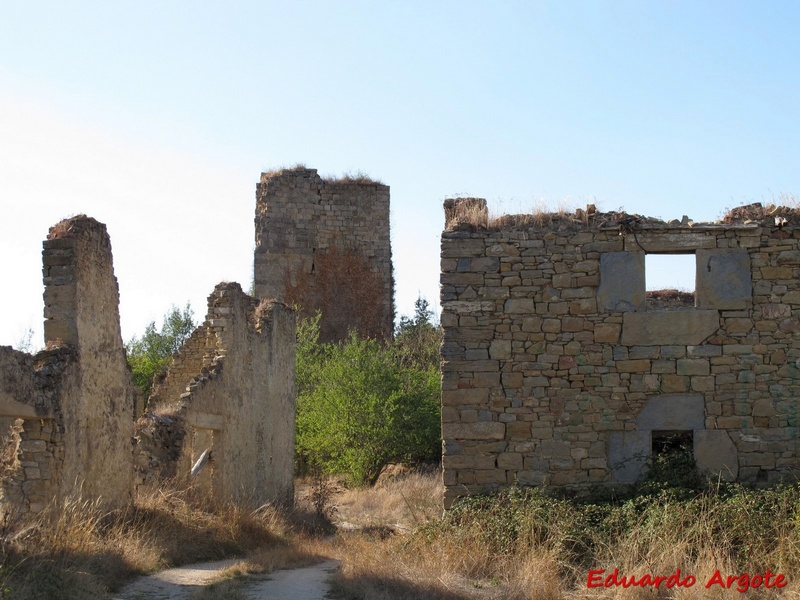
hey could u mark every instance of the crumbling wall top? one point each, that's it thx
(470, 215)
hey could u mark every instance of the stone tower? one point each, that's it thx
(323, 244)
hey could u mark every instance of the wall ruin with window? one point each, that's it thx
(556, 371)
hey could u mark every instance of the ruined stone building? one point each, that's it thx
(70, 406)
(556, 370)
(230, 391)
(323, 244)
(67, 412)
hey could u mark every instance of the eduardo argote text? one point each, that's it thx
(598, 578)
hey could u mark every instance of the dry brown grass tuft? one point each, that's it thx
(356, 177)
(79, 549)
(404, 503)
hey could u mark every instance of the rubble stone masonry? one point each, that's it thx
(323, 244)
(230, 391)
(556, 372)
(72, 403)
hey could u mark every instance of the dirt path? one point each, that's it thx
(307, 583)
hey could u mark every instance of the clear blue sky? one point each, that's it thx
(157, 118)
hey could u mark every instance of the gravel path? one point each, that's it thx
(307, 583)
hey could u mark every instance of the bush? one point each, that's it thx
(359, 407)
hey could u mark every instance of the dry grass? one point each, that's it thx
(77, 549)
(471, 214)
(354, 177)
(529, 546)
(402, 504)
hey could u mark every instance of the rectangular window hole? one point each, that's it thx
(667, 443)
(670, 281)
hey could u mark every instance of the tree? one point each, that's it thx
(152, 353)
(417, 339)
(360, 408)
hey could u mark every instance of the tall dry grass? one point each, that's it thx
(77, 549)
(528, 545)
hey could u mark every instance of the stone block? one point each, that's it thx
(482, 430)
(633, 366)
(622, 282)
(464, 396)
(607, 333)
(519, 305)
(556, 449)
(500, 349)
(628, 453)
(669, 328)
(716, 454)
(776, 311)
(519, 431)
(681, 412)
(776, 273)
(738, 325)
(468, 461)
(512, 380)
(510, 460)
(723, 279)
(693, 366)
(563, 280)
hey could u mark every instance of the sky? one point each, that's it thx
(157, 118)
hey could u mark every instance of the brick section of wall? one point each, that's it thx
(186, 364)
(551, 377)
(325, 245)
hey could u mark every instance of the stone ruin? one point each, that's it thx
(67, 412)
(323, 244)
(557, 371)
(230, 391)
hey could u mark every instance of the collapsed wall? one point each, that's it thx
(324, 245)
(236, 400)
(73, 402)
(555, 370)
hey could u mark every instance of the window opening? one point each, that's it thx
(670, 281)
(672, 442)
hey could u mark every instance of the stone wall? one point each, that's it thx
(324, 245)
(239, 404)
(555, 371)
(72, 403)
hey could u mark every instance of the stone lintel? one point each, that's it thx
(667, 412)
(669, 242)
(17, 410)
(204, 420)
(669, 328)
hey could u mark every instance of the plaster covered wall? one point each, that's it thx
(555, 371)
(239, 404)
(73, 402)
(324, 245)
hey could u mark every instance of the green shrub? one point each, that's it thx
(359, 407)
